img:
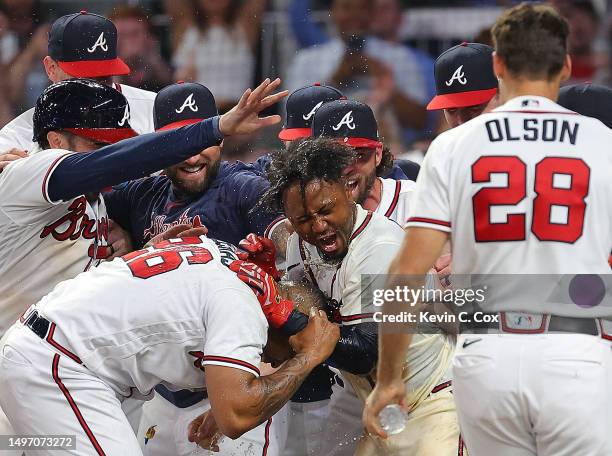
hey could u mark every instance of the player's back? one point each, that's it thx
(153, 315)
(527, 188)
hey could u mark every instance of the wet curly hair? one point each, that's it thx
(304, 162)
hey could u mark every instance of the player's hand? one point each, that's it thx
(244, 117)
(177, 231)
(379, 398)
(261, 251)
(318, 338)
(442, 266)
(10, 156)
(204, 431)
(119, 240)
(276, 309)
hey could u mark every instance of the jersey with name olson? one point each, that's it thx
(523, 189)
(158, 316)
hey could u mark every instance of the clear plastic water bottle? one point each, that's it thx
(392, 419)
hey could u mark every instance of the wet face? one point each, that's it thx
(361, 175)
(323, 215)
(458, 116)
(352, 16)
(195, 174)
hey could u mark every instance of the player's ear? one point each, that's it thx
(499, 67)
(51, 68)
(56, 140)
(566, 71)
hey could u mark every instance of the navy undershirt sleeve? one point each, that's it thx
(136, 157)
(357, 350)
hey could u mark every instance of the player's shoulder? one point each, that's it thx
(374, 229)
(144, 184)
(134, 93)
(25, 119)
(239, 173)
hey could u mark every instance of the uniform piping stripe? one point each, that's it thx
(429, 220)
(117, 87)
(47, 174)
(58, 346)
(267, 437)
(441, 386)
(356, 317)
(398, 188)
(223, 359)
(74, 407)
(361, 227)
(460, 446)
(273, 225)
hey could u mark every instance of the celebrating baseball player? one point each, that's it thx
(82, 45)
(97, 339)
(203, 190)
(465, 82)
(521, 190)
(336, 242)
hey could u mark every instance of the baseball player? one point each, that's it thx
(528, 197)
(96, 339)
(336, 242)
(465, 83)
(199, 190)
(49, 202)
(82, 45)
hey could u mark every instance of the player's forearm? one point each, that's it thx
(90, 172)
(265, 396)
(357, 350)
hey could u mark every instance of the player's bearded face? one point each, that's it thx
(195, 174)
(322, 214)
(360, 176)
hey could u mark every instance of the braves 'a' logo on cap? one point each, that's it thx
(100, 42)
(311, 113)
(126, 116)
(188, 103)
(346, 120)
(458, 76)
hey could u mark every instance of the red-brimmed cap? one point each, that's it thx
(95, 68)
(178, 123)
(461, 99)
(290, 134)
(360, 142)
(106, 135)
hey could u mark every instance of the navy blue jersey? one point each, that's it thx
(148, 207)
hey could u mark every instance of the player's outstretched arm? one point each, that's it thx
(78, 174)
(240, 401)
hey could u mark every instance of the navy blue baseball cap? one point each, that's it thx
(85, 46)
(301, 106)
(464, 77)
(589, 100)
(350, 122)
(183, 103)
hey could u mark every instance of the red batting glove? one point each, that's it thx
(276, 309)
(261, 251)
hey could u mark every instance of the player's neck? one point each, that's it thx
(373, 199)
(520, 88)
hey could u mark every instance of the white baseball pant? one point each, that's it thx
(539, 394)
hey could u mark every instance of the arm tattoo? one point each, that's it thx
(273, 391)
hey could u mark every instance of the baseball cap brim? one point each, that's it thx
(105, 135)
(95, 68)
(178, 123)
(290, 134)
(360, 142)
(461, 99)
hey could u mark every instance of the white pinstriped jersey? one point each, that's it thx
(158, 316)
(43, 242)
(18, 132)
(524, 189)
(374, 243)
(395, 199)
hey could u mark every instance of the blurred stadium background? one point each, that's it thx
(229, 45)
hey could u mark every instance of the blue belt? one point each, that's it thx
(182, 398)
